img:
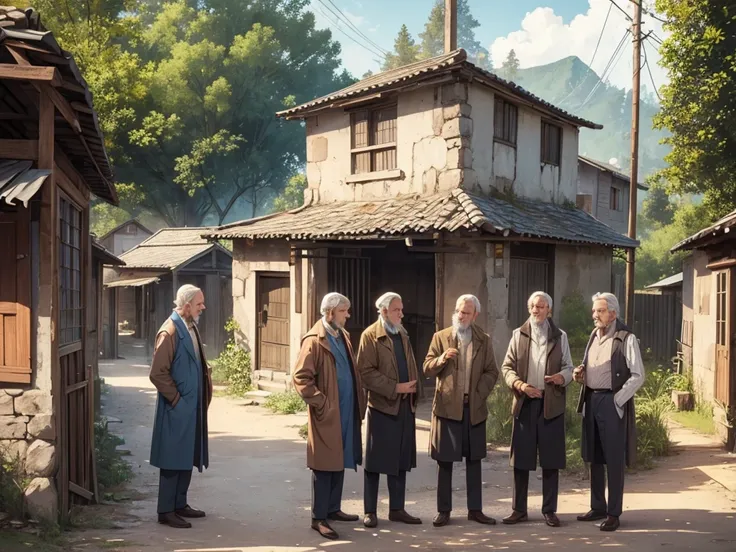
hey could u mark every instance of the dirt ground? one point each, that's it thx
(256, 492)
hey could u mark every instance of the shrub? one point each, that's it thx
(13, 483)
(575, 319)
(233, 365)
(112, 470)
(499, 422)
(304, 431)
(288, 402)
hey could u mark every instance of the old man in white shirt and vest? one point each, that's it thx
(538, 367)
(611, 373)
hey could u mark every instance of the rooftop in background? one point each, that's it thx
(607, 167)
(669, 282)
(101, 253)
(123, 225)
(716, 232)
(170, 248)
(454, 63)
(415, 215)
(82, 142)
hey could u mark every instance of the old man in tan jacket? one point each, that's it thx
(461, 358)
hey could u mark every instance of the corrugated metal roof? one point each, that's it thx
(670, 281)
(423, 70)
(133, 282)
(170, 248)
(415, 214)
(715, 230)
(19, 182)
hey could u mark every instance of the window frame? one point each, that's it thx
(369, 116)
(615, 199)
(71, 285)
(510, 136)
(544, 144)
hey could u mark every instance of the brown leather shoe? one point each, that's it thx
(551, 519)
(515, 517)
(370, 520)
(172, 520)
(401, 516)
(324, 529)
(480, 517)
(592, 516)
(611, 524)
(342, 516)
(441, 519)
(189, 512)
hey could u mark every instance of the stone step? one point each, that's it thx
(272, 386)
(257, 396)
(270, 375)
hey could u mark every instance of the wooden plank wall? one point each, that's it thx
(657, 324)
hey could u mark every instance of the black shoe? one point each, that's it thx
(441, 519)
(592, 516)
(172, 520)
(324, 529)
(551, 519)
(515, 517)
(401, 516)
(341, 516)
(611, 524)
(189, 512)
(480, 517)
(370, 520)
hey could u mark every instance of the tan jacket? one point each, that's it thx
(315, 379)
(379, 371)
(163, 357)
(448, 396)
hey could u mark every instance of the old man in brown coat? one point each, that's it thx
(326, 378)
(461, 358)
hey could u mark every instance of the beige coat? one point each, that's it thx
(448, 396)
(315, 379)
(379, 371)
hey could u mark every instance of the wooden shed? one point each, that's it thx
(52, 159)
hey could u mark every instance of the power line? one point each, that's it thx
(649, 70)
(649, 12)
(351, 24)
(623, 11)
(337, 26)
(612, 62)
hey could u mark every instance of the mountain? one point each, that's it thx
(570, 84)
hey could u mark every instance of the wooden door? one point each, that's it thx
(724, 313)
(15, 298)
(272, 314)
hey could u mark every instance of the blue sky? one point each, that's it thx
(540, 31)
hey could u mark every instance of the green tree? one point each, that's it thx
(405, 51)
(433, 37)
(292, 196)
(699, 104)
(657, 206)
(206, 144)
(510, 66)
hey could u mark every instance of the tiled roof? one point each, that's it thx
(712, 232)
(424, 70)
(170, 248)
(414, 214)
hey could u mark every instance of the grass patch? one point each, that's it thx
(112, 470)
(695, 420)
(22, 541)
(288, 402)
(13, 483)
(304, 431)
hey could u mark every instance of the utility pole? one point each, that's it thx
(634, 172)
(450, 26)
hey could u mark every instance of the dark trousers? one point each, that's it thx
(396, 491)
(610, 444)
(473, 482)
(550, 488)
(326, 493)
(172, 490)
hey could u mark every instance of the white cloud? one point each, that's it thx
(544, 38)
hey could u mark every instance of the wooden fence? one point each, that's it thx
(658, 324)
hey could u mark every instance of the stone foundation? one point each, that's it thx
(28, 432)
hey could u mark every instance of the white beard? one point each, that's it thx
(390, 328)
(462, 331)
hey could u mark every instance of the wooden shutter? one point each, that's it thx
(15, 298)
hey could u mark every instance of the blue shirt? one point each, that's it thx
(346, 393)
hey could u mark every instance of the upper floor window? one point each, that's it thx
(551, 143)
(617, 203)
(70, 273)
(504, 122)
(373, 140)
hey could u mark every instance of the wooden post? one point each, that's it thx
(450, 26)
(634, 172)
(439, 278)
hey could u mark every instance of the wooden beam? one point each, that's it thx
(64, 108)
(69, 188)
(77, 490)
(19, 149)
(82, 108)
(31, 73)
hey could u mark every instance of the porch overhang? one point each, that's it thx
(134, 282)
(20, 182)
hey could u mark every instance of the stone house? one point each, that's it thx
(709, 319)
(52, 159)
(431, 180)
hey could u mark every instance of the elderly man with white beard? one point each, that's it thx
(388, 370)
(537, 368)
(461, 358)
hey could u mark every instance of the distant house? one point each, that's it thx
(709, 317)
(124, 237)
(671, 284)
(168, 259)
(431, 180)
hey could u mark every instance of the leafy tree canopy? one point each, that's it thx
(292, 196)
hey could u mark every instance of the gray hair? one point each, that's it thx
(469, 299)
(609, 298)
(331, 301)
(385, 300)
(186, 295)
(541, 294)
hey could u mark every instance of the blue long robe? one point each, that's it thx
(346, 391)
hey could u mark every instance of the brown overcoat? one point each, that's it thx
(379, 371)
(315, 379)
(448, 395)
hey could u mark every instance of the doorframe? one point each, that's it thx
(259, 275)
